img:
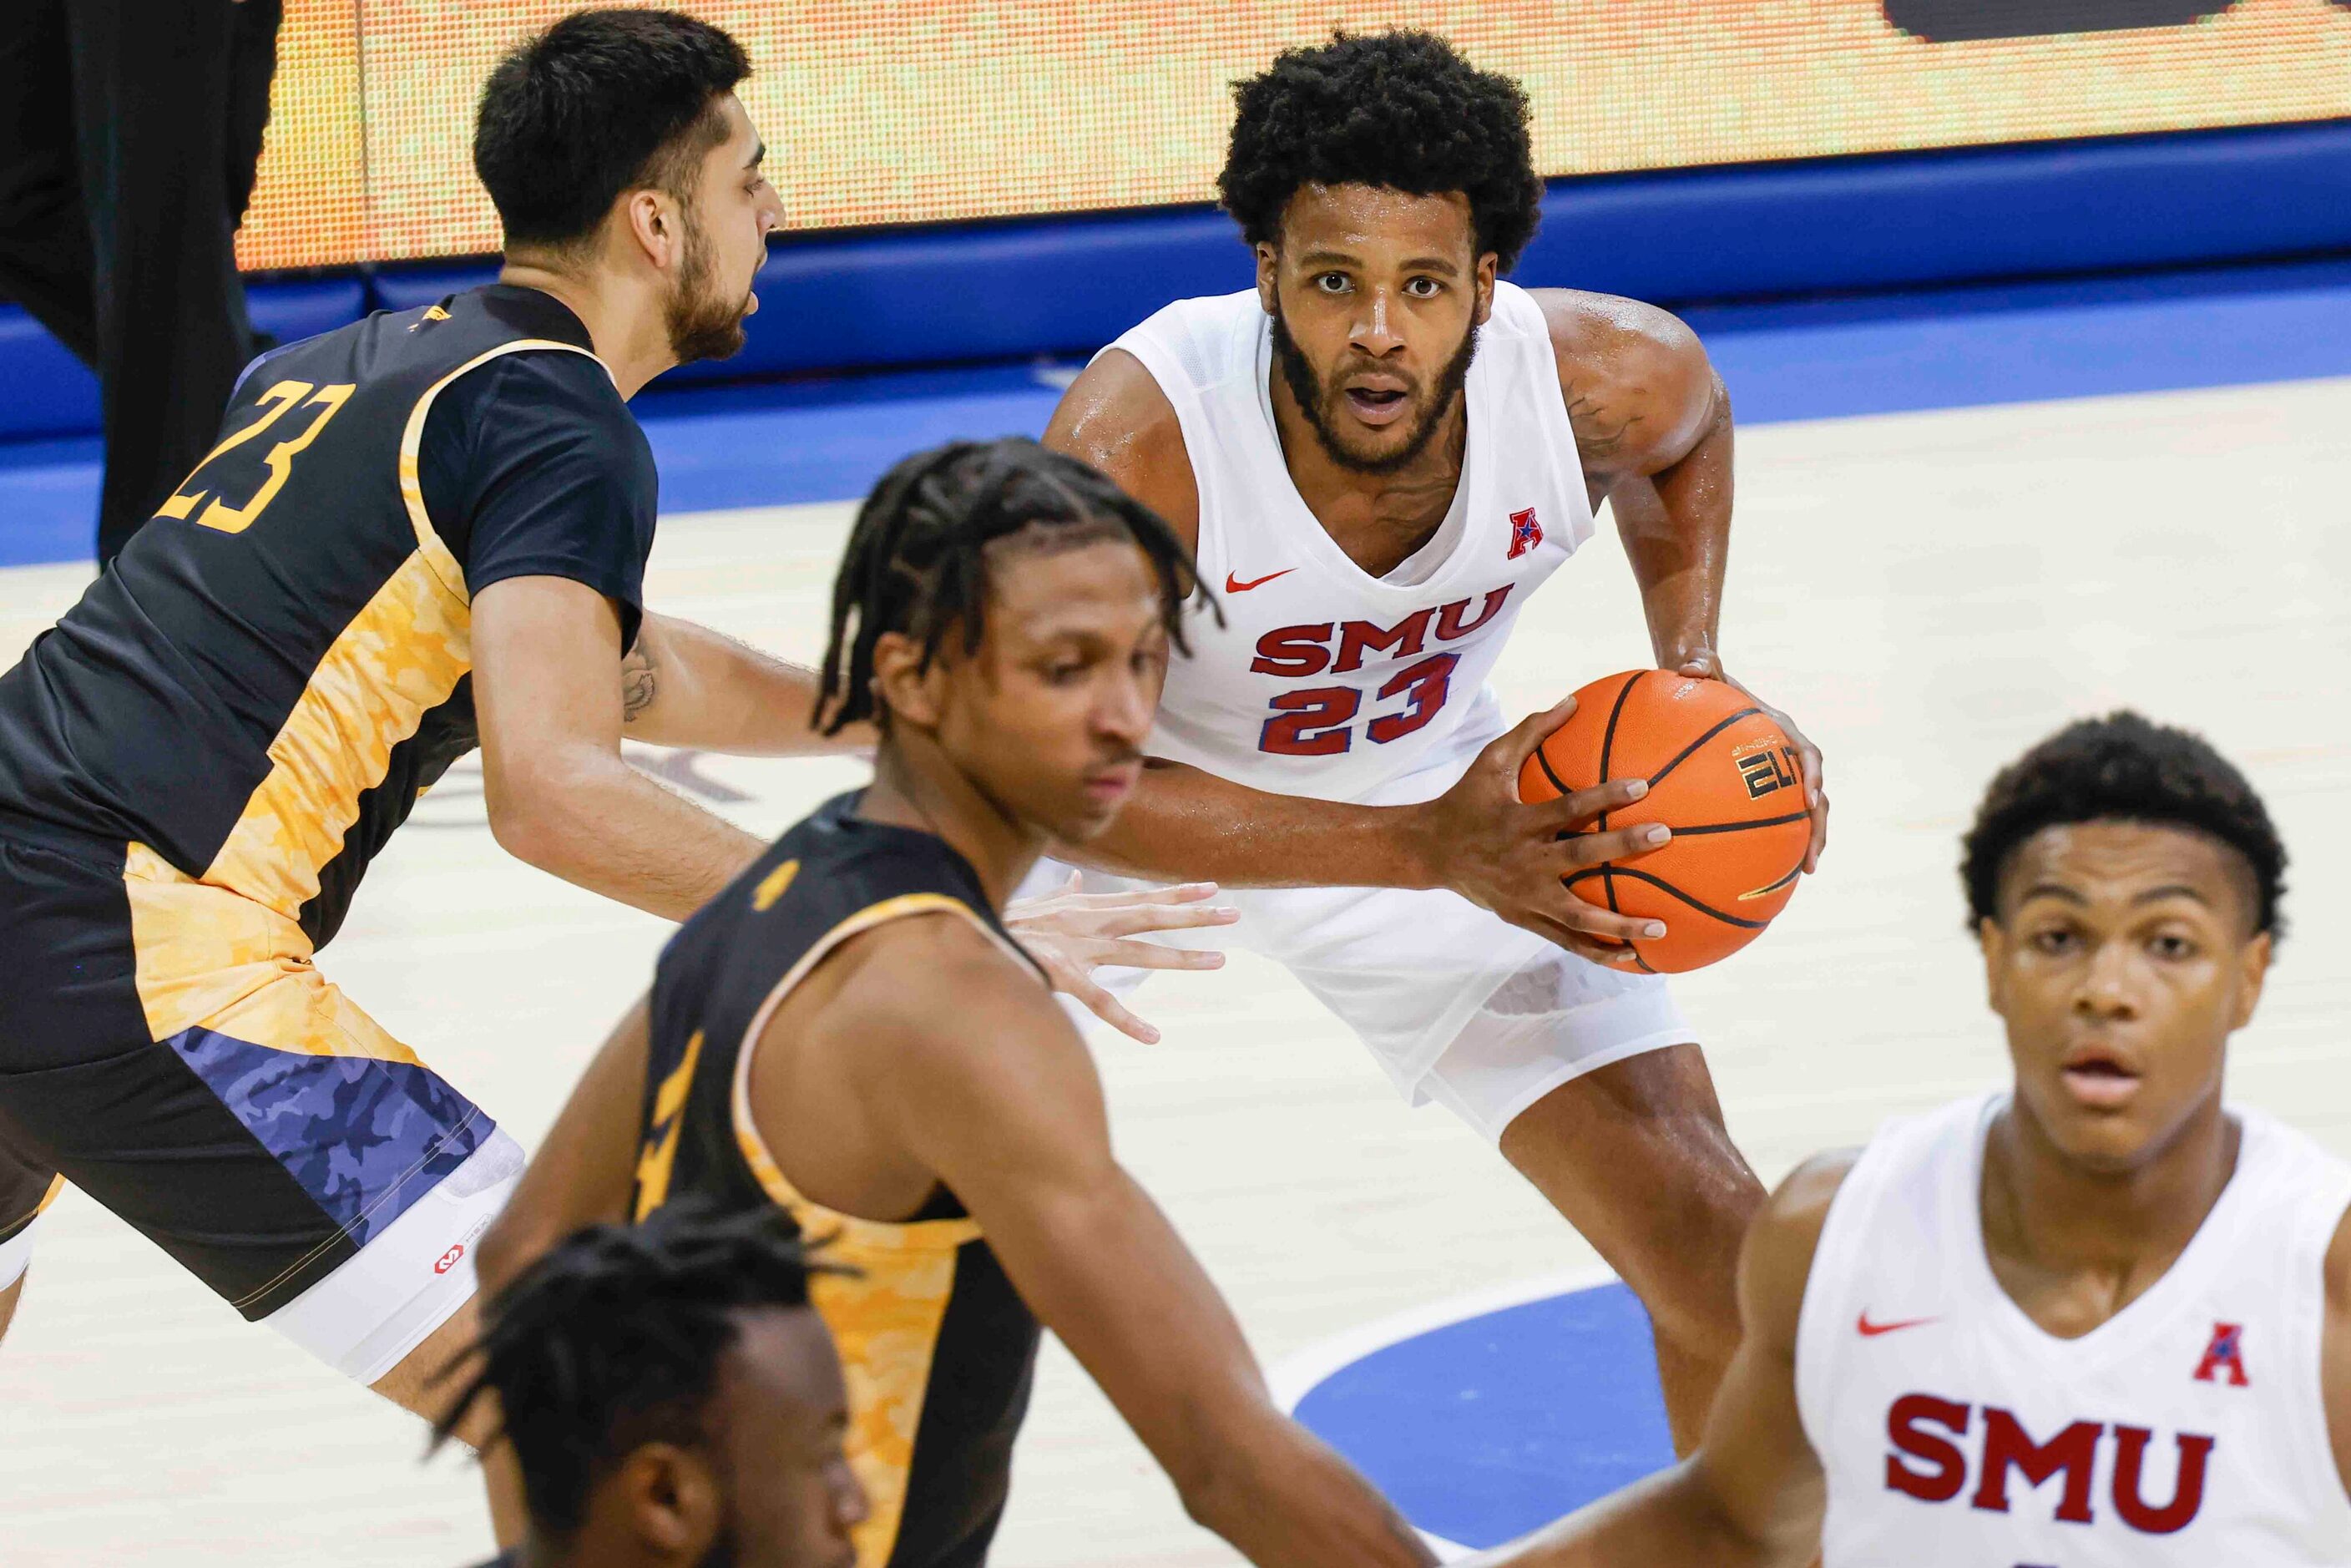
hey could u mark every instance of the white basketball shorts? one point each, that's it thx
(1456, 1005)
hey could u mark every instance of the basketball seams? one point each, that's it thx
(1662, 886)
(1685, 754)
(1708, 797)
(1549, 772)
(1607, 746)
(1742, 827)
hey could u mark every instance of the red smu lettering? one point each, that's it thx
(1449, 624)
(2227, 1352)
(2074, 1451)
(1403, 639)
(2187, 1492)
(1318, 722)
(1293, 650)
(1903, 1430)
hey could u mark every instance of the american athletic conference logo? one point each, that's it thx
(1526, 532)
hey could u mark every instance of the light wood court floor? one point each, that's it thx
(1926, 593)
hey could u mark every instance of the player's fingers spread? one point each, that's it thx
(1572, 913)
(1516, 746)
(1156, 956)
(1164, 917)
(1580, 850)
(1146, 897)
(1111, 1011)
(1060, 968)
(1574, 811)
(1609, 955)
(1809, 760)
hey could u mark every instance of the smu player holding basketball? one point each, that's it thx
(2101, 1318)
(1380, 454)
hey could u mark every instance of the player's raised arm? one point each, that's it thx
(981, 1078)
(1652, 429)
(1751, 1496)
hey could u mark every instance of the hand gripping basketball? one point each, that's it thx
(1722, 771)
(1515, 857)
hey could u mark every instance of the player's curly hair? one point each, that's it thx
(612, 1340)
(917, 559)
(2122, 766)
(1401, 110)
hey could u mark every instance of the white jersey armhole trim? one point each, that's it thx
(1165, 365)
(1851, 1208)
(1514, 300)
(2320, 1214)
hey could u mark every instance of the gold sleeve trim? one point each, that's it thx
(815, 1217)
(443, 560)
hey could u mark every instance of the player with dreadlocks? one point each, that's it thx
(847, 1034)
(671, 1399)
(1379, 454)
(2098, 1316)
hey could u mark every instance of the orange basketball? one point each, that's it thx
(1721, 773)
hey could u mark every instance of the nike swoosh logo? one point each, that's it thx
(1234, 585)
(1871, 1331)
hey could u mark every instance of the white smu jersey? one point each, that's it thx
(1325, 681)
(2187, 1431)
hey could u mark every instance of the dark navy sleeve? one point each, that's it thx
(533, 467)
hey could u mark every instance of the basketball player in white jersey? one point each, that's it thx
(2101, 1318)
(1378, 455)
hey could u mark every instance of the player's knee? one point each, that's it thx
(427, 1380)
(1689, 1282)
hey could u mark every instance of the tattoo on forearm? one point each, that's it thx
(637, 685)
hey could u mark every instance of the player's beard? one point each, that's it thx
(1314, 401)
(702, 323)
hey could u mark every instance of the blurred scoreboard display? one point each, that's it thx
(895, 112)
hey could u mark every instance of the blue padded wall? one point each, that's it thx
(1068, 286)
(1945, 217)
(927, 297)
(46, 391)
(1062, 287)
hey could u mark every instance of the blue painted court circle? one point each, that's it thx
(1486, 1427)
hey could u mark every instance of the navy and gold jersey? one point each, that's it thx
(199, 760)
(264, 681)
(937, 1346)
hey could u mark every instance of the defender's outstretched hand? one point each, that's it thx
(1509, 856)
(1708, 665)
(1074, 933)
